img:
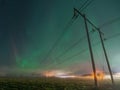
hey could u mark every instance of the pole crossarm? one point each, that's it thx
(76, 10)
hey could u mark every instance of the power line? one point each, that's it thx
(77, 54)
(83, 7)
(87, 4)
(75, 13)
(109, 22)
(75, 16)
(80, 52)
(59, 38)
(83, 4)
(82, 15)
(95, 39)
(71, 47)
(57, 41)
(113, 36)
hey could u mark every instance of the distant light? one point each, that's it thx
(66, 76)
(116, 76)
(55, 73)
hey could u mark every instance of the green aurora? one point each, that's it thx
(30, 28)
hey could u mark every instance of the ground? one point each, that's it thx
(54, 84)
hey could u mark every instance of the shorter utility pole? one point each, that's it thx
(106, 57)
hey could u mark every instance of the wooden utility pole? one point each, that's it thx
(91, 52)
(106, 57)
(90, 46)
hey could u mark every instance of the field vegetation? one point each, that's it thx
(53, 84)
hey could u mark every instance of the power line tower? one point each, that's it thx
(90, 47)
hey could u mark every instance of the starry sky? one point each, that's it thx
(29, 30)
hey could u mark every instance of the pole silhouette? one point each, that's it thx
(106, 57)
(91, 52)
(103, 46)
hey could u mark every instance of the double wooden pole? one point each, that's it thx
(90, 48)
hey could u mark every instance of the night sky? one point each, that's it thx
(30, 28)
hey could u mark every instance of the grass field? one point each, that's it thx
(53, 84)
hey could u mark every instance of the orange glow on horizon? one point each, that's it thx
(60, 74)
(99, 74)
(49, 73)
(54, 73)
